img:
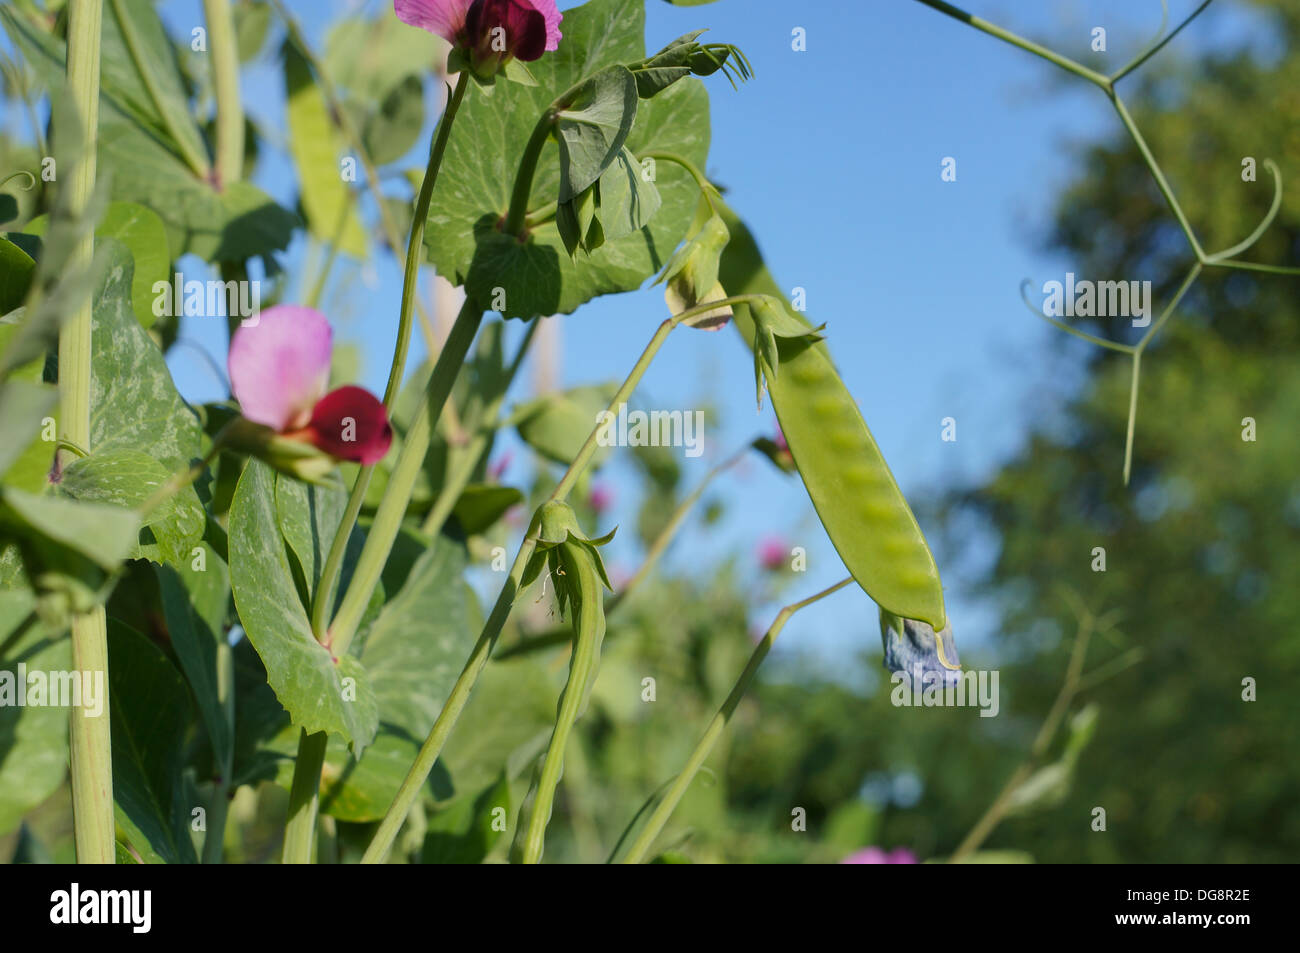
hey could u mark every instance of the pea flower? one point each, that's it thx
(772, 553)
(915, 648)
(875, 855)
(487, 34)
(279, 372)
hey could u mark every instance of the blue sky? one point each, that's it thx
(833, 156)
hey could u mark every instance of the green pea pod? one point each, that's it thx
(855, 495)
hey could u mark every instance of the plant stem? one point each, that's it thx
(527, 169)
(304, 798)
(442, 379)
(90, 738)
(646, 838)
(1029, 46)
(588, 629)
(561, 634)
(1069, 688)
(467, 459)
(225, 81)
(401, 483)
(214, 839)
(482, 651)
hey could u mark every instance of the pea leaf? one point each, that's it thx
(628, 199)
(101, 533)
(557, 425)
(16, 268)
(538, 276)
(127, 478)
(319, 693)
(464, 831)
(150, 715)
(194, 603)
(33, 739)
(413, 653)
(591, 132)
(316, 148)
(394, 129)
(134, 403)
(144, 165)
(480, 506)
(26, 404)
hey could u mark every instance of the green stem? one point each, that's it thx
(444, 376)
(401, 483)
(214, 839)
(197, 162)
(588, 629)
(707, 188)
(225, 81)
(1157, 47)
(1069, 688)
(560, 634)
(1156, 173)
(1028, 46)
(527, 169)
(304, 798)
(646, 838)
(89, 738)
(482, 651)
(469, 457)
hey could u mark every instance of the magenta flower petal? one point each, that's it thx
(551, 13)
(867, 855)
(280, 365)
(443, 17)
(351, 424)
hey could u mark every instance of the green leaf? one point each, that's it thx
(128, 478)
(16, 269)
(145, 166)
(252, 24)
(306, 679)
(33, 739)
(394, 129)
(464, 831)
(150, 713)
(369, 58)
(8, 211)
(102, 533)
(25, 405)
(308, 516)
(194, 604)
(628, 200)
(592, 130)
(134, 403)
(557, 425)
(859, 503)
(480, 506)
(538, 276)
(316, 148)
(413, 654)
(138, 65)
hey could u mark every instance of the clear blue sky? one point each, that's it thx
(833, 156)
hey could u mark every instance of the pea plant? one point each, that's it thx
(271, 588)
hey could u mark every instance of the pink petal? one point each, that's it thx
(551, 12)
(351, 424)
(443, 17)
(280, 365)
(867, 855)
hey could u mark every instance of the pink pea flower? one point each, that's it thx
(497, 468)
(874, 855)
(772, 553)
(488, 33)
(279, 372)
(600, 498)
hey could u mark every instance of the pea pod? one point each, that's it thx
(580, 583)
(855, 495)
